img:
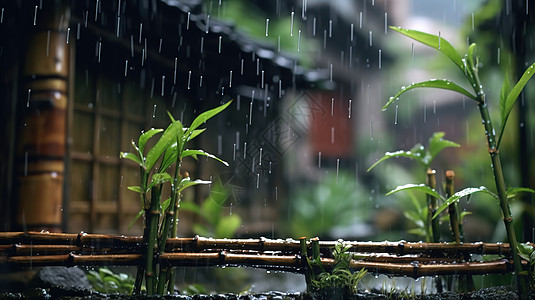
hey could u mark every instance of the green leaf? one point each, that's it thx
(131, 156)
(204, 117)
(166, 140)
(186, 182)
(416, 187)
(437, 144)
(227, 226)
(417, 153)
(136, 189)
(506, 89)
(190, 206)
(513, 192)
(165, 204)
(433, 83)
(464, 193)
(159, 178)
(145, 136)
(512, 96)
(525, 251)
(194, 153)
(195, 133)
(433, 41)
(139, 214)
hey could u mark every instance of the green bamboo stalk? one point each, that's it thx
(141, 269)
(153, 216)
(501, 190)
(453, 209)
(432, 206)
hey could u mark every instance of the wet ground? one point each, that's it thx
(500, 293)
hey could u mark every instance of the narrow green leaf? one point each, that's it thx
(401, 153)
(204, 117)
(136, 189)
(167, 139)
(165, 204)
(506, 89)
(433, 41)
(194, 153)
(195, 133)
(131, 156)
(464, 193)
(433, 83)
(416, 187)
(437, 144)
(139, 214)
(145, 136)
(513, 192)
(512, 96)
(187, 183)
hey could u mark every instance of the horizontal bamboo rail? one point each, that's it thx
(33, 249)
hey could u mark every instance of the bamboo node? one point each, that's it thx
(493, 151)
(508, 219)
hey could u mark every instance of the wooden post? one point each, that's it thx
(42, 115)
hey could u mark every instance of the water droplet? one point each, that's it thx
(189, 80)
(371, 38)
(396, 116)
(349, 109)
(379, 58)
(35, 16)
(220, 39)
(154, 111)
(68, 32)
(267, 26)
(292, 24)
(386, 22)
(299, 41)
(28, 101)
(360, 20)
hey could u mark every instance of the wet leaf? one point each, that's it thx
(401, 153)
(168, 137)
(433, 41)
(433, 83)
(506, 108)
(463, 193)
(159, 178)
(416, 187)
(145, 136)
(204, 117)
(194, 154)
(136, 189)
(186, 182)
(165, 204)
(525, 251)
(139, 214)
(131, 156)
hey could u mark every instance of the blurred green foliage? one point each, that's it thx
(105, 281)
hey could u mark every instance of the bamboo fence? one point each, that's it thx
(34, 249)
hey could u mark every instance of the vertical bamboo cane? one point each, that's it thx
(42, 120)
(453, 208)
(432, 206)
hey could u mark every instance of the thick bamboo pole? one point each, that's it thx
(42, 117)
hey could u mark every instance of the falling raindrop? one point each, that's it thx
(35, 16)
(200, 81)
(337, 169)
(241, 67)
(25, 163)
(473, 21)
(332, 135)
(207, 23)
(330, 28)
(304, 10)
(2, 16)
(379, 58)
(331, 72)
(189, 80)
(234, 153)
(299, 41)
(360, 20)
(140, 31)
(260, 157)
(412, 50)
(276, 193)
(425, 114)
(230, 79)
(292, 24)
(498, 56)
(257, 180)
(187, 21)
(332, 106)
(267, 26)
(163, 85)
(269, 169)
(154, 111)
(371, 38)
(220, 39)
(174, 71)
(160, 46)
(78, 33)
(28, 101)
(351, 32)
(48, 45)
(386, 22)
(396, 116)
(244, 149)
(278, 43)
(319, 159)
(349, 109)
(314, 26)
(439, 39)
(125, 67)
(99, 50)
(262, 80)
(219, 144)
(68, 34)
(202, 44)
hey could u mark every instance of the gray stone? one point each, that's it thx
(68, 277)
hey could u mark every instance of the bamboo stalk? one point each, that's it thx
(432, 206)
(453, 208)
